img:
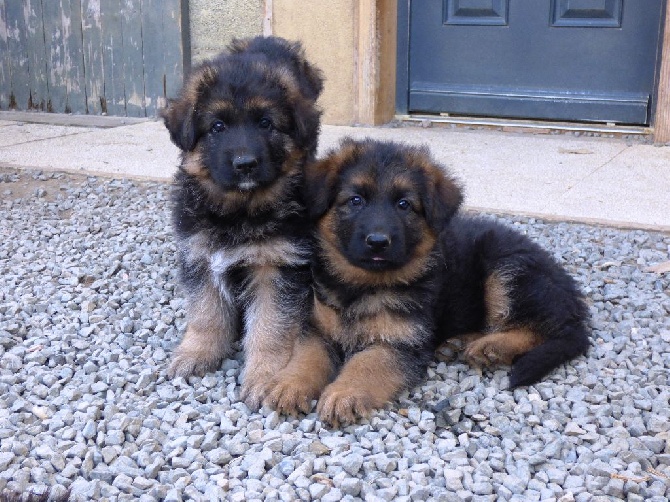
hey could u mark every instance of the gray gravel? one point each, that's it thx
(90, 311)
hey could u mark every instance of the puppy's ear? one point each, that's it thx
(290, 55)
(321, 178)
(443, 197)
(180, 116)
(307, 123)
(320, 186)
(309, 77)
(311, 80)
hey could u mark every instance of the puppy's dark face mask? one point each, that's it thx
(244, 140)
(379, 208)
(380, 217)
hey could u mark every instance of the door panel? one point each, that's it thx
(604, 13)
(476, 12)
(587, 60)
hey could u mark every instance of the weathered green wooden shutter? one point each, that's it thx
(116, 57)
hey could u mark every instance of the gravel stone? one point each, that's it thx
(334, 495)
(385, 464)
(351, 486)
(572, 429)
(454, 479)
(318, 490)
(6, 458)
(352, 463)
(615, 488)
(514, 484)
(91, 310)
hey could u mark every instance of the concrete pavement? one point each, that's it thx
(562, 176)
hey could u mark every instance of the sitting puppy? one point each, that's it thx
(396, 273)
(246, 122)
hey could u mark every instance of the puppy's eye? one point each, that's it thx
(217, 126)
(356, 201)
(265, 123)
(404, 204)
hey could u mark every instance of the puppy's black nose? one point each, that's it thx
(378, 242)
(244, 164)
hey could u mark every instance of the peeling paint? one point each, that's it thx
(3, 27)
(135, 99)
(93, 11)
(88, 56)
(28, 15)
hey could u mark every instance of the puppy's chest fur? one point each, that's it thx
(245, 256)
(258, 262)
(240, 269)
(379, 315)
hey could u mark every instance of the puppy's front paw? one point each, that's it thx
(302, 380)
(292, 394)
(341, 405)
(255, 388)
(185, 364)
(200, 352)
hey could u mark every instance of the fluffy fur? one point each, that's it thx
(246, 122)
(514, 304)
(396, 274)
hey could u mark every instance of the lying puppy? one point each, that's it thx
(396, 273)
(246, 122)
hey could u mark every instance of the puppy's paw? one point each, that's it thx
(482, 353)
(295, 387)
(341, 406)
(255, 388)
(185, 364)
(200, 352)
(501, 347)
(292, 394)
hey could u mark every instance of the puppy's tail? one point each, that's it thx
(530, 367)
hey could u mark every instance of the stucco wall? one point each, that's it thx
(327, 32)
(214, 23)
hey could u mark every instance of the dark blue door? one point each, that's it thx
(585, 60)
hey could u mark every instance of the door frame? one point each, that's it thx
(660, 113)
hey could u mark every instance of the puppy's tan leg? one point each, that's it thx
(468, 338)
(302, 380)
(367, 381)
(500, 347)
(211, 330)
(268, 338)
(497, 299)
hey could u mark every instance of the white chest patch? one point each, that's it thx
(274, 253)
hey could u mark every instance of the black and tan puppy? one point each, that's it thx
(396, 274)
(246, 123)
